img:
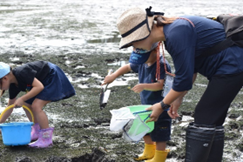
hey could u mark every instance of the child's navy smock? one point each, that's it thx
(147, 74)
(56, 84)
(184, 42)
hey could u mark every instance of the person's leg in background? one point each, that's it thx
(205, 137)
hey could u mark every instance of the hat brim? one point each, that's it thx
(138, 59)
(140, 34)
(4, 69)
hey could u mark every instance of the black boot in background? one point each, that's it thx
(217, 148)
(199, 139)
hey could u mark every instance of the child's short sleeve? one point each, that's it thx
(27, 75)
(134, 67)
(13, 91)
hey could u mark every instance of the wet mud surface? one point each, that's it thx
(82, 39)
(82, 130)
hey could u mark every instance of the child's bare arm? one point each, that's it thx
(37, 87)
(122, 70)
(149, 86)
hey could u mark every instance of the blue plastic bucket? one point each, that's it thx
(16, 133)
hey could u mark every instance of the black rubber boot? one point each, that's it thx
(199, 139)
(216, 152)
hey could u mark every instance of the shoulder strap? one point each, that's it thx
(217, 48)
(233, 26)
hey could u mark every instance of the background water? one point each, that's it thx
(67, 27)
(55, 26)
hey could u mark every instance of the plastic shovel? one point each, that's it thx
(105, 94)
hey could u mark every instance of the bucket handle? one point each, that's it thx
(12, 106)
(135, 113)
(147, 117)
(142, 111)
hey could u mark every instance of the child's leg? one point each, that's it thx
(39, 114)
(148, 140)
(6, 115)
(160, 152)
(45, 133)
(35, 129)
(28, 113)
(149, 149)
(160, 145)
(161, 134)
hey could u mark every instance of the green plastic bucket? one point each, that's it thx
(143, 114)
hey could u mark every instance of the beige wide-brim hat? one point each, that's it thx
(134, 25)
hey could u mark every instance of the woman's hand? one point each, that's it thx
(156, 111)
(173, 111)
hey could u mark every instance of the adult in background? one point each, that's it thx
(185, 39)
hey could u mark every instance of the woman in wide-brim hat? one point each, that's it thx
(186, 38)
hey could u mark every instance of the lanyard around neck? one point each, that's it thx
(158, 62)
